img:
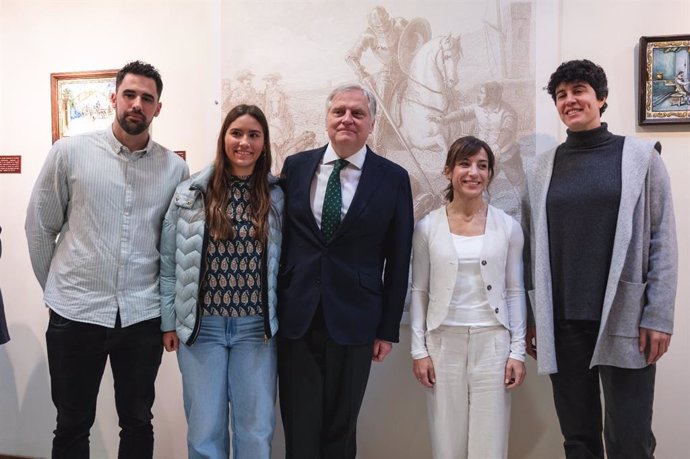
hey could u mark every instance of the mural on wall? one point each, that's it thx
(437, 74)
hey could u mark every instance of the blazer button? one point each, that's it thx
(318, 281)
(488, 287)
(496, 310)
(483, 262)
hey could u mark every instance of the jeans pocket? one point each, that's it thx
(57, 321)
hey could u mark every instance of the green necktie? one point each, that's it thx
(332, 201)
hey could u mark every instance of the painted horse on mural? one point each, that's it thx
(430, 91)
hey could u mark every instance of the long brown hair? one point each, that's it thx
(217, 219)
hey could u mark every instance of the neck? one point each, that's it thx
(466, 208)
(132, 142)
(346, 153)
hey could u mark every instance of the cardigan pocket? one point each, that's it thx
(626, 310)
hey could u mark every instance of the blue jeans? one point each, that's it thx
(230, 363)
(77, 355)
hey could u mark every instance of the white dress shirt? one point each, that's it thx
(349, 179)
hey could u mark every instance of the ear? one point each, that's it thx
(602, 102)
(113, 99)
(158, 109)
(447, 172)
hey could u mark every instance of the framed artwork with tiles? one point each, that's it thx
(80, 101)
(664, 80)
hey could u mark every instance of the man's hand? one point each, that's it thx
(381, 350)
(654, 344)
(423, 370)
(170, 341)
(531, 341)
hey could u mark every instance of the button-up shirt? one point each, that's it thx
(349, 179)
(93, 227)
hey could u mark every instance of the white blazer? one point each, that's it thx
(435, 270)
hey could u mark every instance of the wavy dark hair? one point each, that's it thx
(463, 148)
(142, 69)
(580, 71)
(217, 219)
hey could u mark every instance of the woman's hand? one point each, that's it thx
(423, 370)
(170, 341)
(515, 373)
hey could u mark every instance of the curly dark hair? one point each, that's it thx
(463, 148)
(142, 69)
(580, 71)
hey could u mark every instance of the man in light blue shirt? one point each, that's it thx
(93, 228)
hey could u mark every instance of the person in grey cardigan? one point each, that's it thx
(603, 272)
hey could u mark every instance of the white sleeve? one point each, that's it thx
(515, 293)
(420, 289)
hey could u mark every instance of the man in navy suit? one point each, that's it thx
(343, 277)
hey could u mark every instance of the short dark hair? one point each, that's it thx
(143, 69)
(463, 148)
(580, 71)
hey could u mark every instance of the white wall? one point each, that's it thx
(38, 37)
(181, 37)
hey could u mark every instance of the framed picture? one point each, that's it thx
(80, 101)
(664, 80)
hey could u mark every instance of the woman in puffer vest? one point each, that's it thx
(220, 250)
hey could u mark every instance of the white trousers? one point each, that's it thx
(469, 406)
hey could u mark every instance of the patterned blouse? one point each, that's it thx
(231, 285)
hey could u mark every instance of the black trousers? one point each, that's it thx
(628, 399)
(77, 354)
(322, 384)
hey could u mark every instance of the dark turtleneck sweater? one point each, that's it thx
(582, 210)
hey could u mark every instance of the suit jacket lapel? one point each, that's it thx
(368, 181)
(308, 168)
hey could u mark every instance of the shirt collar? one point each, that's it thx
(118, 148)
(356, 160)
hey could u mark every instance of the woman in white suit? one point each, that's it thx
(468, 311)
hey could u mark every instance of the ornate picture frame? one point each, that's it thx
(664, 80)
(80, 101)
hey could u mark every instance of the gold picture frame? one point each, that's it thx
(664, 80)
(80, 101)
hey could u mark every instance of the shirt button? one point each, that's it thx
(488, 287)
(496, 310)
(483, 262)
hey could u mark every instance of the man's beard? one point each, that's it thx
(132, 128)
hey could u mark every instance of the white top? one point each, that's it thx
(469, 306)
(349, 179)
(435, 271)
